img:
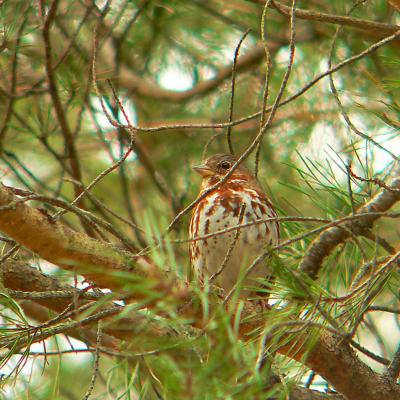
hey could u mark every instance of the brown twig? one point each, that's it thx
(266, 84)
(330, 357)
(233, 82)
(256, 140)
(88, 217)
(231, 247)
(335, 93)
(61, 245)
(58, 107)
(378, 28)
(13, 80)
(288, 100)
(96, 362)
(328, 240)
(376, 181)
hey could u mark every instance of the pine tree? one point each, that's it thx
(105, 106)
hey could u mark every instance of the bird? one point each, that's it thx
(223, 258)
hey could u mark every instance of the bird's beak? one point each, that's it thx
(203, 170)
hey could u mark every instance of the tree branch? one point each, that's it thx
(324, 244)
(330, 356)
(59, 110)
(300, 393)
(135, 83)
(97, 261)
(378, 28)
(335, 361)
(87, 335)
(19, 276)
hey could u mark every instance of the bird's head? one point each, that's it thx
(218, 165)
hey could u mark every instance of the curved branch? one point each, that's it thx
(335, 361)
(18, 275)
(60, 245)
(324, 244)
(331, 357)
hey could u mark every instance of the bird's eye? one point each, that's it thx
(225, 165)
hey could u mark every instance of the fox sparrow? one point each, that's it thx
(224, 257)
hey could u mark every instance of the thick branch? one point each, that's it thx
(87, 335)
(97, 261)
(324, 244)
(300, 393)
(17, 275)
(330, 356)
(335, 361)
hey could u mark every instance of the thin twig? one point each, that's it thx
(208, 143)
(86, 216)
(384, 309)
(231, 247)
(13, 83)
(99, 204)
(233, 82)
(9, 253)
(370, 354)
(42, 334)
(100, 177)
(58, 107)
(350, 190)
(284, 102)
(369, 26)
(266, 84)
(328, 224)
(345, 115)
(96, 362)
(377, 181)
(379, 241)
(256, 140)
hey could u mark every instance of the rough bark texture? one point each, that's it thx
(334, 360)
(323, 245)
(60, 245)
(300, 393)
